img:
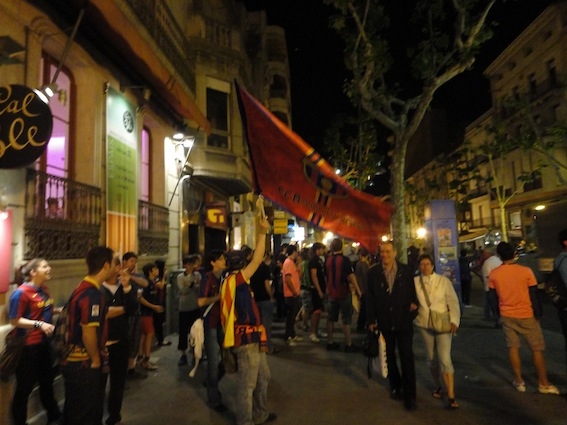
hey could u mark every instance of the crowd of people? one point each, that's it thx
(115, 316)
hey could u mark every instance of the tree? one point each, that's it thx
(351, 147)
(444, 38)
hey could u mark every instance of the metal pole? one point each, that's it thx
(68, 46)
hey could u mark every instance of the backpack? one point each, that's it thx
(555, 288)
(60, 338)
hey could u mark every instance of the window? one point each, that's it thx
(145, 168)
(516, 220)
(55, 159)
(52, 193)
(552, 72)
(217, 114)
(533, 84)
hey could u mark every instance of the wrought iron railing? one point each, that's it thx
(62, 216)
(153, 229)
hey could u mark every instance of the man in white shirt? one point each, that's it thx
(489, 264)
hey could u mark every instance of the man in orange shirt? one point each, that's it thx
(513, 293)
(290, 276)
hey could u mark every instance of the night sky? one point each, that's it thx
(317, 66)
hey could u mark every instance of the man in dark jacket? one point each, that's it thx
(391, 307)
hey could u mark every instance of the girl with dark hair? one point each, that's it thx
(31, 310)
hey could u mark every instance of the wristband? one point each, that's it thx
(37, 324)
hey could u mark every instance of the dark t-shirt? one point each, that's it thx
(210, 286)
(257, 283)
(338, 268)
(317, 263)
(150, 294)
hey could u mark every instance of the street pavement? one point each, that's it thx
(310, 385)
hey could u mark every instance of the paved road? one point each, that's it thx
(312, 386)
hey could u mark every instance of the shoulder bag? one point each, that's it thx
(11, 354)
(438, 322)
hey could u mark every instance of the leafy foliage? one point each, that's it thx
(397, 65)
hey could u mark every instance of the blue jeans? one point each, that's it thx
(215, 369)
(252, 385)
(267, 317)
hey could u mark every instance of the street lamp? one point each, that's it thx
(187, 142)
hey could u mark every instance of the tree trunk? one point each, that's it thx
(503, 224)
(397, 169)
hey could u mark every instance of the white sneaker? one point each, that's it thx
(313, 338)
(520, 386)
(550, 389)
(290, 342)
(297, 338)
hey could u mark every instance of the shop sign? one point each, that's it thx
(25, 126)
(216, 215)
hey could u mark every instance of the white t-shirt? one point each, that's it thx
(489, 264)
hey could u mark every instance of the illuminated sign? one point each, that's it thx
(216, 215)
(25, 126)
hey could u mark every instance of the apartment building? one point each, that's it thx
(528, 88)
(147, 151)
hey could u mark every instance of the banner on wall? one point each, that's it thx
(5, 250)
(441, 224)
(121, 168)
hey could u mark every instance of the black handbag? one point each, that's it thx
(11, 354)
(370, 344)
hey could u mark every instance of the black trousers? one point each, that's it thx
(84, 395)
(159, 319)
(118, 365)
(361, 323)
(403, 341)
(35, 367)
(293, 305)
(563, 321)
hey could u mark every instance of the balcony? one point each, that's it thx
(62, 217)
(153, 229)
(167, 34)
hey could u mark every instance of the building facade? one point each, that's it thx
(147, 151)
(513, 164)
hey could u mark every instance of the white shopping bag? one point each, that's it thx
(380, 364)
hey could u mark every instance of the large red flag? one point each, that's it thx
(288, 172)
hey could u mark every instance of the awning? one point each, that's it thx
(473, 236)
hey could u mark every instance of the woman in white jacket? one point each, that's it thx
(442, 298)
